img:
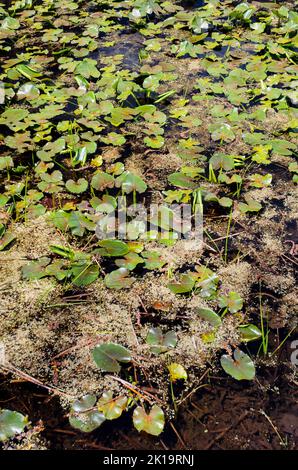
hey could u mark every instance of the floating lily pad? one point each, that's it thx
(84, 416)
(112, 408)
(249, 332)
(240, 366)
(210, 316)
(232, 301)
(119, 279)
(130, 182)
(11, 423)
(185, 284)
(113, 248)
(77, 187)
(108, 356)
(152, 423)
(160, 342)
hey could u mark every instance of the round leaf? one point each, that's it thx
(107, 356)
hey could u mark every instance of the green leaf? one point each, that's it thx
(6, 240)
(232, 301)
(210, 316)
(119, 279)
(222, 161)
(28, 91)
(153, 260)
(249, 332)
(182, 181)
(87, 68)
(183, 286)
(77, 187)
(107, 356)
(250, 206)
(11, 423)
(84, 416)
(101, 181)
(160, 342)
(35, 269)
(130, 261)
(206, 281)
(240, 367)
(113, 248)
(84, 273)
(130, 183)
(10, 23)
(222, 132)
(155, 142)
(152, 423)
(112, 408)
(260, 181)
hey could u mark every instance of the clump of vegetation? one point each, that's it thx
(196, 107)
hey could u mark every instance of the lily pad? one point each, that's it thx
(210, 316)
(84, 416)
(112, 408)
(77, 187)
(232, 301)
(249, 332)
(240, 366)
(185, 284)
(119, 279)
(160, 342)
(11, 423)
(152, 423)
(130, 182)
(108, 356)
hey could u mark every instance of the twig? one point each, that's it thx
(133, 388)
(178, 435)
(262, 412)
(28, 378)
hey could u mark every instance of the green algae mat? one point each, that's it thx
(148, 203)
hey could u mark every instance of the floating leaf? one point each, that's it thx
(250, 206)
(240, 367)
(130, 261)
(206, 281)
(77, 187)
(249, 332)
(84, 273)
(11, 423)
(222, 161)
(153, 260)
(130, 182)
(232, 301)
(160, 342)
(152, 423)
(107, 356)
(84, 415)
(183, 286)
(28, 91)
(35, 269)
(155, 142)
(112, 408)
(182, 181)
(177, 372)
(101, 181)
(113, 248)
(210, 316)
(119, 279)
(260, 181)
